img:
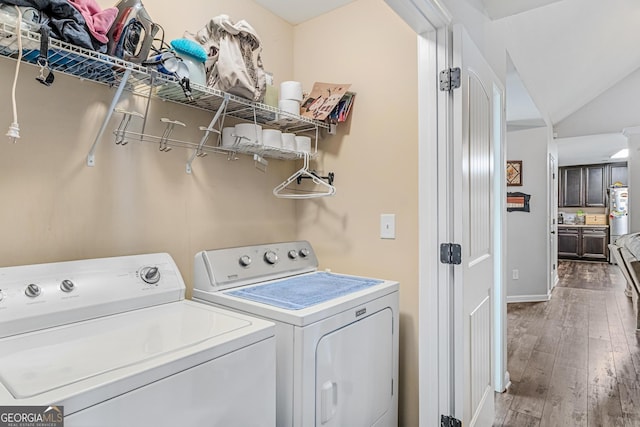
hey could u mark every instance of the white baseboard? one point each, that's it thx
(528, 298)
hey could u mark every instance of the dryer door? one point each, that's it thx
(354, 372)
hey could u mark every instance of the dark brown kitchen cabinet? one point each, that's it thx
(572, 186)
(583, 243)
(595, 244)
(586, 185)
(618, 173)
(568, 242)
(595, 185)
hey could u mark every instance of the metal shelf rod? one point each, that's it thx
(207, 131)
(91, 158)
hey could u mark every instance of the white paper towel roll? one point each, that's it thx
(272, 138)
(290, 106)
(291, 90)
(228, 138)
(289, 141)
(251, 133)
(303, 144)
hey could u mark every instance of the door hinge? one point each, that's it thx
(447, 421)
(449, 79)
(450, 253)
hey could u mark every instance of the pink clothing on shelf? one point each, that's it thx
(98, 21)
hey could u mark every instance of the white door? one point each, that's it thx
(456, 175)
(553, 227)
(473, 213)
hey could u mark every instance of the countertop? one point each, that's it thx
(584, 225)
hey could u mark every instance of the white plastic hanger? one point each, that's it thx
(282, 192)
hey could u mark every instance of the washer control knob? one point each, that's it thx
(293, 254)
(304, 252)
(150, 275)
(32, 290)
(245, 260)
(67, 285)
(270, 257)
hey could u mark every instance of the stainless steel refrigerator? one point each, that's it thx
(618, 212)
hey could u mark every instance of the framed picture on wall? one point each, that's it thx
(518, 202)
(514, 172)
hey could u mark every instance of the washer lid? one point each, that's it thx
(102, 350)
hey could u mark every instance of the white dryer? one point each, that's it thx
(336, 335)
(112, 342)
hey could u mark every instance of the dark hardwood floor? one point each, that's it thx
(574, 360)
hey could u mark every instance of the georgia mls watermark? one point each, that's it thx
(31, 416)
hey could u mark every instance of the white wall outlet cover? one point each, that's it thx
(387, 226)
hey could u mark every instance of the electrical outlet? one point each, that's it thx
(388, 226)
(516, 274)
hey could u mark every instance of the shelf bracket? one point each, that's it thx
(91, 159)
(260, 163)
(207, 131)
(164, 139)
(121, 131)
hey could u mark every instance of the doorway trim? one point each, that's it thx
(432, 22)
(501, 375)
(435, 279)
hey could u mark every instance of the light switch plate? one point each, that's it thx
(387, 226)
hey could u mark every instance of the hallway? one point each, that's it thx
(574, 360)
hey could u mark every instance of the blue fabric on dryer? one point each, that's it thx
(304, 291)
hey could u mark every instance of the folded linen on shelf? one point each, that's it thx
(9, 16)
(98, 21)
(65, 22)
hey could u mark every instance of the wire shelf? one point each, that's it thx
(101, 68)
(237, 148)
(90, 65)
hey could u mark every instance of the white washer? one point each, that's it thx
(337, 335)
(114, 343)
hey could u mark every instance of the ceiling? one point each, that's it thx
(501, 8)
(579, 62)
(590, 149)
(298, 11)
(522, 112)
(570, 52)
(573, 63)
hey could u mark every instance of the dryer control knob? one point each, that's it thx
(67, 285)
(32, 290)
(293, 254)
(304, 252)
(150, 275)
(245, 260)
(270, 257)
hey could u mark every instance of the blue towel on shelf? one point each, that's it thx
(300, 292)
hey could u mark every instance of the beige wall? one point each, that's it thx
(136, 199)
(374, 156)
